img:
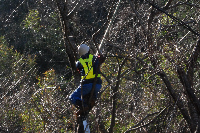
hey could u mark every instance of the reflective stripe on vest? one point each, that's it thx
(88, 67)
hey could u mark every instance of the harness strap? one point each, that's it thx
(88, 68)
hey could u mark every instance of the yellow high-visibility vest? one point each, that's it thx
(88, 67)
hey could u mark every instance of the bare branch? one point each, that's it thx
(167, 5)
(138, 16)
(192, 61)
(183, 3)
(175, 19)
(108, 80)
(137, 126)
(69, 47)
(71, 13)
(115, 89)
(190, 91)
(176, 98)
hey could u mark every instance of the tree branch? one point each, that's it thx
(176, 97)
(71, 13)
(167, 5)
(114, 98)
(108, 80)
(137, 126)
(183, 3)
(62, 7)
(174, 18)
(190, 91)
(69, 48)
(192, 61)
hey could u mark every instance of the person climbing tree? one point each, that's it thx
(89, 69)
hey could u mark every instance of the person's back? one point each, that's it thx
(89, 68)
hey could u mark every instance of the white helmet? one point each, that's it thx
(83, 49)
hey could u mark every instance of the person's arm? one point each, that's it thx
(101, 58)
(97, 60)
(79, 66)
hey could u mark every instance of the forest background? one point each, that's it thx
(151, 75)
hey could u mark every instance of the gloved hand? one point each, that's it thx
(102, 58)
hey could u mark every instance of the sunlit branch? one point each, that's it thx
(73, 10)
(109, 25)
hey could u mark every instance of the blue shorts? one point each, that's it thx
(76, 95)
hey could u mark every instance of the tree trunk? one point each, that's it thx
(69, 47)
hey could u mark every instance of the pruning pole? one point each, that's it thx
(99, 48)
(108, 28)
(86, 126)
(104, 36)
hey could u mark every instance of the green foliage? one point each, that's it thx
(45, 40)
(43, 112)
(32, 20)
(48, 79)
(14, 65)
(17, 74)
(167, 20)
(6, 54)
